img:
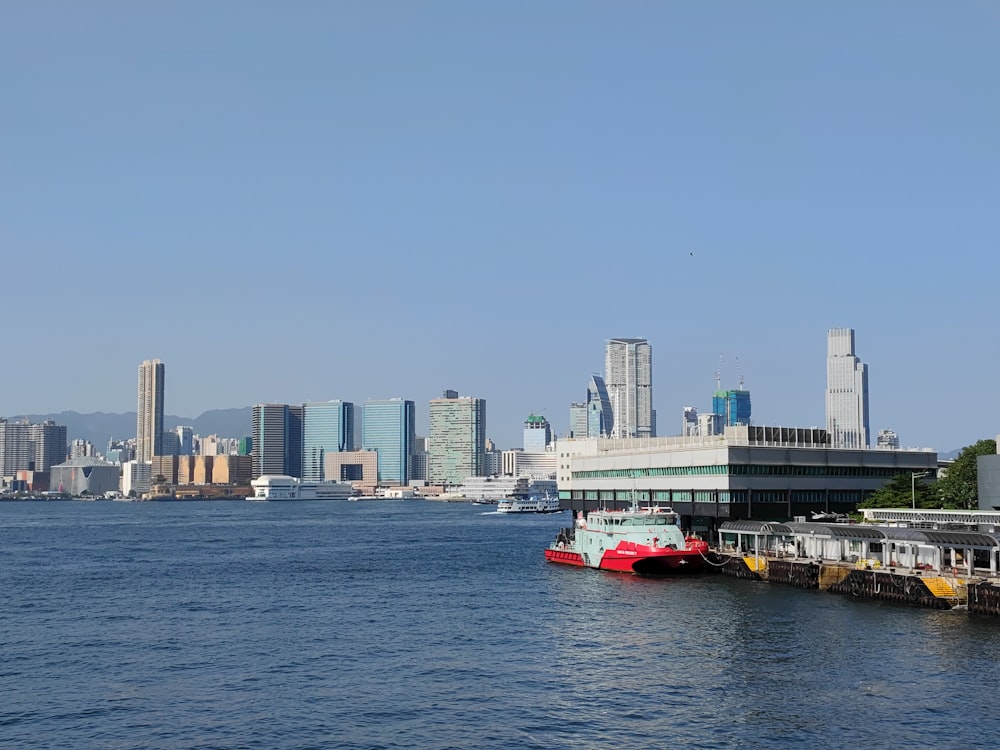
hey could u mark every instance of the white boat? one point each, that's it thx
(281, 487)
(533, 504)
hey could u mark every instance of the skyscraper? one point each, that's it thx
(846, 391)
(628, 372)
(537, 434)
(276, 440)
(149, 412)
(293, 436)
(31, 447)
(689, 422)
(577, 420)
(457, 439)
(600, 416)
(388, 426)
(733, 407)
(327, 427)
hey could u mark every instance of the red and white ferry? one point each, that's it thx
(647, 541)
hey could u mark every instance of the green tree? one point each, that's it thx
(900, 492)
(959, 487)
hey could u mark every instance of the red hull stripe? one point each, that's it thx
(562, 556)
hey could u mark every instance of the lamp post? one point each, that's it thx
(913, 486)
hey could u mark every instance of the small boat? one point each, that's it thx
(484, 501)
(646, 541)
(532, 504)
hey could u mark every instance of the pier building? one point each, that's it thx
(748, 472)
(919, 567)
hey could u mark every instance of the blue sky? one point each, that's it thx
(308, 201)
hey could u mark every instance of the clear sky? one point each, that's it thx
(317, 200)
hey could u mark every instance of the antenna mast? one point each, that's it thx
(718, 375)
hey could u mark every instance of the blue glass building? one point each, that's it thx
(600, 417)
(327, 427)
(389, 427)
(277, 440)
(732, 406)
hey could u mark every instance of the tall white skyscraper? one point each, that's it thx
(149, 412)
(628, 374)
(846, 391)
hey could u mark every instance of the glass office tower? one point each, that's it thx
(327, 427)
(388, 427)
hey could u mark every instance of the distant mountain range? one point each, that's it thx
(99, 427)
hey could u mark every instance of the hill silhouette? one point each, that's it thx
(99, 427)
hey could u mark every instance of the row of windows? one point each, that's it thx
(739, 470)
(722, 496)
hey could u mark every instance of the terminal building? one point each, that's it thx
(748, 472)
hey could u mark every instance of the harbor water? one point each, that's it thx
(415, 624)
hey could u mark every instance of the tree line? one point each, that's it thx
(957, 489)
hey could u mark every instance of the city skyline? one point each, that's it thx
(398, 168)
(839, 342)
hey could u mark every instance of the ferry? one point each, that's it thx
(645, 541)
(281, 487)
(532, 504)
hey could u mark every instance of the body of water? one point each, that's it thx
(413, 624)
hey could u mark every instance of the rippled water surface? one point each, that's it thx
(419, 624)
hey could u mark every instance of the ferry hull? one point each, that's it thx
(653, 564)
(647, 563)
(565, 557)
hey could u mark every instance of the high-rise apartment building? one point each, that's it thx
(327, 427)
(846, 391)
(887, 440)
(689, 422)
(457, 439)
(31, 447)
(276, 440)
(388, 427)
(628, 374)
(149, 412)
(537, 434)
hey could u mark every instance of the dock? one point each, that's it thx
(930, 568)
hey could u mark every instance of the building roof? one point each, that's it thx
(842, 531)
(937, 537)
(757, 527)
(81, 461)
(965, 539)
